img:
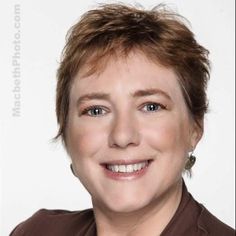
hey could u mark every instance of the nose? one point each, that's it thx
(124, 132)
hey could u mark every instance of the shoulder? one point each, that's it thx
(203, 222)
(212, 225)
(57, 222)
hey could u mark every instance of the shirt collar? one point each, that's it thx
(187, 217)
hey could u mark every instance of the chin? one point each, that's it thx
(128, 205)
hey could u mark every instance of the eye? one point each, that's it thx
(94, 111)
(153, 107)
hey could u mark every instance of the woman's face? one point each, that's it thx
(130, 116)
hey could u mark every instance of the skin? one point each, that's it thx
(156, 126)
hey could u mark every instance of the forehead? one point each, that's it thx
(129, 73)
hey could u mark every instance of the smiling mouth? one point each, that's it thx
(130, 168)
(126, 170)
(121, 166)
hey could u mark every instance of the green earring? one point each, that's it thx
(190, 162)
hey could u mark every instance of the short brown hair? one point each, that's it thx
(160, 34)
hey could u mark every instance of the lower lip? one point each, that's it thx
(126, 176)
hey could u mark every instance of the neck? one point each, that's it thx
(150, 220)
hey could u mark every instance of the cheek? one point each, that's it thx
(83, 140)
(169, 135)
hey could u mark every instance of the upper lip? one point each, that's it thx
(124, 161)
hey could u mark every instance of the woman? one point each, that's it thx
(131, 99)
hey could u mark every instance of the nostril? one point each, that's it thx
(123, 140)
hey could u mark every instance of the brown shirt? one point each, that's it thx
(190, 219)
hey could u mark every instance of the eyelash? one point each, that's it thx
(88, 109)
(160, 106)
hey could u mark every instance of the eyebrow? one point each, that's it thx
(149, 92)
(91, 96)
(106, 96)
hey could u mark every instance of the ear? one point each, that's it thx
(196, 133)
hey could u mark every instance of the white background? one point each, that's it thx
(35, 173)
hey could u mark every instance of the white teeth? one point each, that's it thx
(135, 167)
(122, 168)
(139, 166)
(116, 168)
(127, 168)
